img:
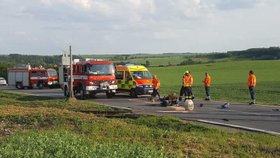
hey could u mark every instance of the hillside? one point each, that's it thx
(229, 80)
(152, 60)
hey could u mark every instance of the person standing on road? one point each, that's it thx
(156, 86)
(182, 90)
(188, 82)
(191, 92)
(207, 83)
(252, 81)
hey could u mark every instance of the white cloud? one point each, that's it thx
(46, 2)
(85, 4)
(102, 8)
(143, 6)
(190, 8)
(239, 4)
(170, 34)
(20, 33)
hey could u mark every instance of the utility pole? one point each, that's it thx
(71, 94)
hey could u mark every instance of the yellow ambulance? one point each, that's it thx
(135, 79)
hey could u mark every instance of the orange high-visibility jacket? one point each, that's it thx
(183, 80)
(156, 83)
(188, 81)
(207, 81)
(252, 80)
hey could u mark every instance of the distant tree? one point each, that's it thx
(189, 61)
(147, 63)
(3, 70)
(125, 57)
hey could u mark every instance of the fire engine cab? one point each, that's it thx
(92, 76)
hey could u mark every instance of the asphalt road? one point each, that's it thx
(262, 118)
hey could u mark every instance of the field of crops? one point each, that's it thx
(229, 80)
(42, 127)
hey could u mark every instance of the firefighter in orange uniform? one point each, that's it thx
(207, 83)
(188, 82)
(156, 86)
(252, 81)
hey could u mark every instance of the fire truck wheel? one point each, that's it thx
(40, 85)
(83, 93)
(19, 85)
(110, 94)
(133, 93)
(92, 94)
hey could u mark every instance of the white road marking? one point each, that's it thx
(118, 107)
(240, 127)
(173, 111)
(135, 100)
(143, 101)
(48, 94)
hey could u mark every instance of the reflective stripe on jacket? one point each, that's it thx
(252, 81)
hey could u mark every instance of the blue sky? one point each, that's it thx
(137, 26)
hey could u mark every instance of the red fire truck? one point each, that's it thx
(27, 77)
(90, 77)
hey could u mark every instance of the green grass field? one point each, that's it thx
(53, 128)
(154, 59)
(229, 80)
(167, 60)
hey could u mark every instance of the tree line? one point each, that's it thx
(272, 53)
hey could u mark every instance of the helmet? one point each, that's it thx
(186, 72)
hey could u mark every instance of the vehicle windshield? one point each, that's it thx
(52, 73)
(141, 75)
(101, 69)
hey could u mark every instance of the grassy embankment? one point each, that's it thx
(229, 80)
(42, 127)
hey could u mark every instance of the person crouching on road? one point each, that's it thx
(156, 86)
(207, 83)
(252, 81)
(188, 82)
